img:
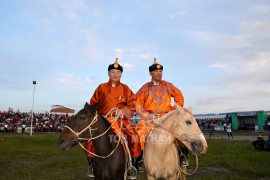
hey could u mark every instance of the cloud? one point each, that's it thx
(256, 26)
(64, 8)
(262, 8)
(178, 14)
(118, 52)
(128, 65)
(223, 67)
(71, 79)
(232, 102)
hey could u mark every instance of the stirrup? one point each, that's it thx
(141, 166)
(131, 173)
(184, 160)
(90, 172)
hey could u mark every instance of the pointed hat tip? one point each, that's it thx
(155, 61)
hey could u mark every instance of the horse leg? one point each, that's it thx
(149, 177)
(183, 175)
(174, 177)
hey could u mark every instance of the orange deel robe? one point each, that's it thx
(155, 99)
(120, 97)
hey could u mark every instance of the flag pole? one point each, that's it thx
(31, 131)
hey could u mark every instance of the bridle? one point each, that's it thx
(95, 119)
(158, 124)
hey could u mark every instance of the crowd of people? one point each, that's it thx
(20, 122)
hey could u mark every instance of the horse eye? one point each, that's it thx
(188, 121)
(82, 118)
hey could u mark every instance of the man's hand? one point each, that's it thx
(125, 112)
(150, 117)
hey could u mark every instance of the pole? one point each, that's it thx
(31, 131)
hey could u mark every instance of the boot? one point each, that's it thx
(184, 156)
(184, 160)
(141, 166)
(90, 172)
(131, 171)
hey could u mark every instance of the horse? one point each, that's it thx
(89, 124)
(160, 154)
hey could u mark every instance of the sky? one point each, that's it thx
(217, 52)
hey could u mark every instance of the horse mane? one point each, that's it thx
(177, 108)
(93, 110)
(163, 118)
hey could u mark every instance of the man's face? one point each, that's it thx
(156, 75)
(115, 75)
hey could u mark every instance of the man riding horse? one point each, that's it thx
(114, 94)
(154, 101)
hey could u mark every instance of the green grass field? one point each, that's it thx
(38, 157)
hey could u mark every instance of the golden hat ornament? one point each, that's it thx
(155, 66)
(115, 65)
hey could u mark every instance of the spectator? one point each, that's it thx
(225, 127)
(268, 123)
(259, 143)
(212, 129)
(229, 131)
(267, 143)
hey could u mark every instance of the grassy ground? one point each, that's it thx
(38, 157)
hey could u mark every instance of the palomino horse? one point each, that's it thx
(88, 124)
(160, 154)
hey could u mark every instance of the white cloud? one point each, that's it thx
(256, 25)
(178, 14)
(262, 8)
(118, 52)
(66, 8)
(128, 65)
(66, 78)
(223, 67)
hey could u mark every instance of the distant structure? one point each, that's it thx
(59, 109)
(247, 120)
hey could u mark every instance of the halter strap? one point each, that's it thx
(77, 134)
(95, 119)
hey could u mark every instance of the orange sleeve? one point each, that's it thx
(177, 95)
(141, 95)
(95, 98)
(131, 99)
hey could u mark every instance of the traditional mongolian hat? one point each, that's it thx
(155, 66)
(115, 66)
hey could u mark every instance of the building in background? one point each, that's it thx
(59, 109)
(247, 120)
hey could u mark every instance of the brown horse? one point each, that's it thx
(160, 154)
(88, 124)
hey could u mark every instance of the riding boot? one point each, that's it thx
(131, 171)
(184, 156)
(139, 163)
(90, 167)
(134, 162)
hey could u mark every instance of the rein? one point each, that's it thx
(95, 119)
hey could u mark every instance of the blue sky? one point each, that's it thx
(216, 52)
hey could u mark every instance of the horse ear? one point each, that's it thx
(179, 108)
(86, 106)
(189, 109)
(96, 106)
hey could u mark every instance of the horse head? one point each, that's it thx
(186, 130)
(184, 127)
(78, 127)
